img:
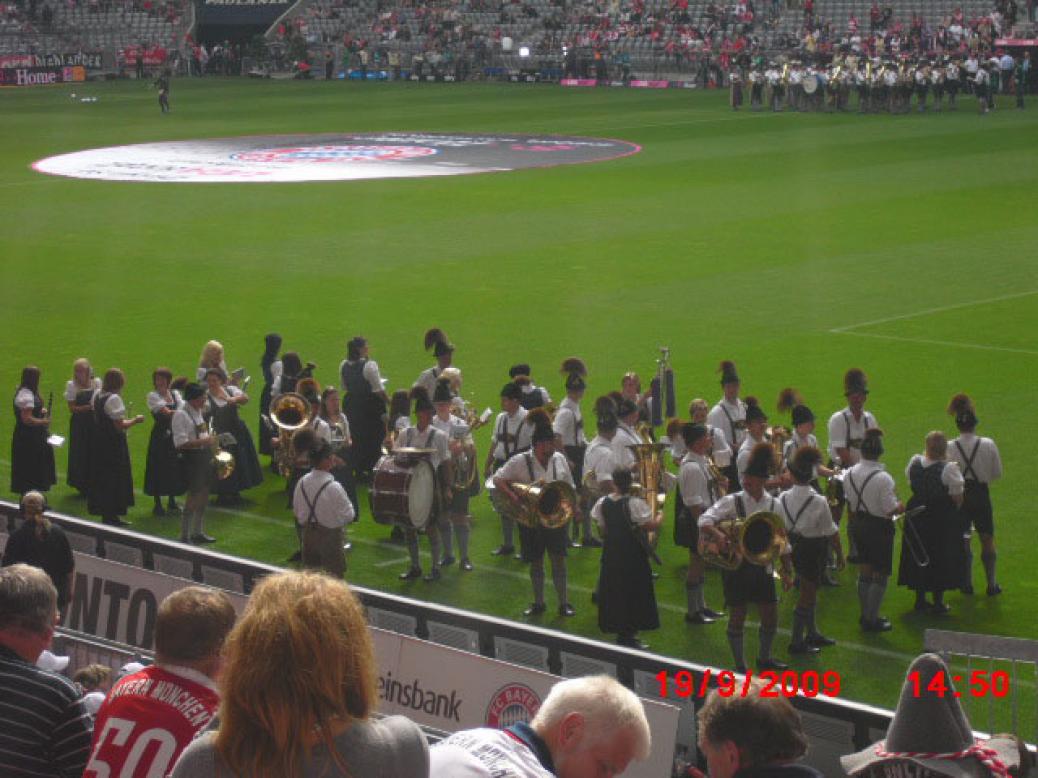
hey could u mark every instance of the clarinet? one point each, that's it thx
(50, 404)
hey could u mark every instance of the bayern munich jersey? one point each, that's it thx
(147, 719)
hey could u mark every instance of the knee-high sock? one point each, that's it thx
(693, 591)
(989, 560)
(199, 522)
(702, 595)
(507, 530)
(186, 518)
(767, 637)
(412, 549)
(735, 642)
(864, 582)
(558, 577)
(876, 591)
(434, 545)
(447, 536)
(800, 618)
(967, 573)
(537, 579)
(812, 628)
(462, 533)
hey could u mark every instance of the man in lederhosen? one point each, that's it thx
(697, 490)
(812, 533)
(748, 583)
(871, 500)
(511, 436)
(456, 520)
(729, 416)
(542, 464)
(323, 509)
(570, 439)
(980, 464)
(532, 396)
(365, 406)
(424, 435)
(194, 446)
(599, 458)
(443, 350)
(846, 431)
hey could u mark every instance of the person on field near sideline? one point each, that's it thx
(162, 82)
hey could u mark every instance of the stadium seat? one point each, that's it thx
(393, 622)
(223, 579)
(575, 666)
(84, 544)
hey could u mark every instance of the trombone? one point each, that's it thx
(913, 540)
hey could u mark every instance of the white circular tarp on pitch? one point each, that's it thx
(290, 158)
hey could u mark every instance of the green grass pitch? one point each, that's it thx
(797, 245)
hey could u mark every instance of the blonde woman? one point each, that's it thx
(79, 393)
(212, 357)
(298, 688)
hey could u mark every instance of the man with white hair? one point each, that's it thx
(588, 727)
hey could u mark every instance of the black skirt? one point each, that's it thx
(111, 479)
(626, 596)
(162, 474)
(247, 470)
(940, 533)
(32, 458)
(79, 429)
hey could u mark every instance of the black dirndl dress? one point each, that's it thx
(111, 479)
(626, 596)
(162, 473)
(247, 471)
(32, 458)
(940, 530)
(79, 428)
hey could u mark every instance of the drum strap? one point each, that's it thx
(793, 519)
(311, 505)
(969, 473)
(860, 493)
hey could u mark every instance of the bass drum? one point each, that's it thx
(403, 492)
(811, 84)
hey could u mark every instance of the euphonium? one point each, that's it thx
(549, 505)
(290, 412)
(757, 539)
(223, 460)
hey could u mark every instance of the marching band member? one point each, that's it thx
(735, 83)
(600, 458)
(937, 484)
(271, 368)
(846, 432)
(542, 463)
(812, 533)
(224, 401)
(871, 500)
(32, 458)
(322, 510)
(718, 451)
(729, 415)
(162, 469)
(774, 78)
(951, 82)
(626, 596)
(631, 389)
(456, 520)
(424, 435)
(342, 443)
(893, 89)
(981, 86)
(194, 446)
(861, 83)
(365, 406)
(79, 393)
(626, 434)
(287, 377)
(979, 461)
(937, 84)
(533, 396)
(749, 583)
(697, 490)
(803, 436)
(678, 449)
(756, 89)
(569, 431)
(111, 480)
(922, 84)
(756, 426)
(511, 436)
(443, 350)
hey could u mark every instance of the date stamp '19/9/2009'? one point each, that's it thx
(790, 683)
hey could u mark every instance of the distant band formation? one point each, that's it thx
(760, 503)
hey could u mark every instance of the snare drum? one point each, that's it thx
(403, 491)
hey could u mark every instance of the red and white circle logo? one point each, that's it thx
(347, 153)
(512, 704)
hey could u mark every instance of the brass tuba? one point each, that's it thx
(223, 460)
(757, 539)
(549, 505)
(777, 435)
(290, 412)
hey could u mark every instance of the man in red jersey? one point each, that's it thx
(151, 716)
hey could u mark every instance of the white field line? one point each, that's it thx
(939, 309)
(929, 342)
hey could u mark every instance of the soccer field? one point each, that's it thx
(798, 245)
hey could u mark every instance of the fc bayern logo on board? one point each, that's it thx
(512, 704)
(351, 153)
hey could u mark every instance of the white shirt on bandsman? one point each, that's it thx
(847, 432)
(877, 494)
(600, 459)
(569, 423)
(332, 507)
(519, 433)
(624, 437)
(187, 425)
(726, 507)
(986, 465)
(816, 521)
(730, 418)
(697, 487)
(518, 469)
(430, 437)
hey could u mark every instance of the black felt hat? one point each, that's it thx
(420, 398)
(575, 371)
(761, 458)
(729, 375)
(692, 433)
(442, 392)
(517, 370)
(855, 382)
(193, 391)
(512, 391)
(753, 410)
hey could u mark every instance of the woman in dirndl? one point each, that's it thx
(626, 596)
(162, 473)
(224, 401)
(79, 393)
(111, 479)
(932, 556)
(271, 368)
(32, 458)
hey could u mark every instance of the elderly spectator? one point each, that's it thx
(172, 701)
(586, 726)
(41, 544)
(44, 729)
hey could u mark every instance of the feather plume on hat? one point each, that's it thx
(855, 382)
(788, 398)
(960, 403)
(433, 336)
(574, 365)
(761, 458)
